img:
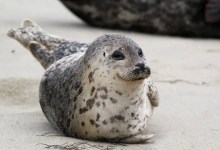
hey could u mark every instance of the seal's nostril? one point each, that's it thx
(141, 66)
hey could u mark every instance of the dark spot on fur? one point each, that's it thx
(103, 103)
(97, 117)
(68, 101)
(104, 96)
(104, 54)
(96, 96)
(80, 90)
(136, 117)
(75, 98)
(113, 100)
(74, 108)
(82, 123)
(127, 107)
(104, 122)
(146, 117)
(114, 130)
(77, 85)
(98, 104)
(103, 89)
(92, 122)
(117, 117)
(119, 93)
(92, 91)
(90, 103)
(132, 114)
(129, 126)
(134, 126)
(97, 125)
(89, 66)
(90, 76)
(134, 103)
(86, 132)
(83, 110)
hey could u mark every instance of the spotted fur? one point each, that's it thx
(90, 91)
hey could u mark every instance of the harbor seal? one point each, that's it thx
(98, 91)
(193, 18)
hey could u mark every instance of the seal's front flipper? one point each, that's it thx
(137, 139)
(212, 11)
(153, 94)
(45, 57)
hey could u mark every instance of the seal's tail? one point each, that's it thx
(41, 44)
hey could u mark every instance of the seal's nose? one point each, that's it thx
(142, 68)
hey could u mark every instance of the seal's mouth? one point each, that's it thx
(132, 78)
(142, 70)
(140, 73)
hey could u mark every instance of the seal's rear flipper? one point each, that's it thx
(26, 33)
(212, 11)
(40, 44)
(28, 23)
(30, 31)
(45, 57)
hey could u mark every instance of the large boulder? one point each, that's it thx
(199, 18)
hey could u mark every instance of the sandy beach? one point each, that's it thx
(185, 70)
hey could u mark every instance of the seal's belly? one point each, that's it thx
(112, 120)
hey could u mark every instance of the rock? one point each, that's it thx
(197, 18)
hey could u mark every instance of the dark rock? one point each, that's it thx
(198, 18)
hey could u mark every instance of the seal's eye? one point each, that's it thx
(118, 55)
(140, 52)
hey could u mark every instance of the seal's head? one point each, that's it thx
(120, 56)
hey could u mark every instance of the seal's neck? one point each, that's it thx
(103, 85)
